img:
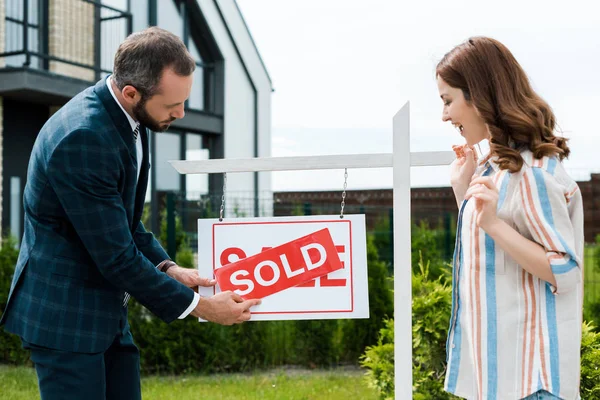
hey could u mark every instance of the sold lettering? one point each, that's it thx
(278, 268)
(232, 254)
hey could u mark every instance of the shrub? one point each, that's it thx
(431, 312)
(379, 362)
(431, 305)
(357, 334)
(590, 360)
(10, 345)
(431, 302)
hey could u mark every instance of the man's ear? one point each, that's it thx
(130, 94)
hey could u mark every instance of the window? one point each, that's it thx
(196, 100)
(15, 206)
(113, 29)
(168, 147)
(169, 18)
(196, 184)
(139, 11)
(14, 34)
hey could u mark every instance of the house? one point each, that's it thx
(52, 49)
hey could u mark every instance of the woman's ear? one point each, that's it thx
(466, 95)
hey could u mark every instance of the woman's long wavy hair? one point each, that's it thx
(492, 79)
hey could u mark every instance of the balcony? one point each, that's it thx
(73, 40)
(50, 50)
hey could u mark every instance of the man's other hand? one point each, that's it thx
(190, 277)
(225, 308)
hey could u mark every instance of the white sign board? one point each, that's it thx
(340, 294)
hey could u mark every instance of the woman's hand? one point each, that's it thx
(461, 171)
(484, 192)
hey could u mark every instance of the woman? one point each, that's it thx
(515, 328)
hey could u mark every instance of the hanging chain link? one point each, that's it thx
(344, 192)
(223, 197)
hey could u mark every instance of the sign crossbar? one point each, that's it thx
(380, 160)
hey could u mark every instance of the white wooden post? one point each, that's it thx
(400, 160)
(402, 256)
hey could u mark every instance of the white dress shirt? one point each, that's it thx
(140, 154)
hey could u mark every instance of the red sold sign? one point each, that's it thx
(281, 267)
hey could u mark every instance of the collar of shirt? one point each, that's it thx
(132, 122)
(483, 156)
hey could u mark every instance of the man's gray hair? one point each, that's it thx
(143, 56)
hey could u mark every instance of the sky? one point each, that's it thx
(341, 69)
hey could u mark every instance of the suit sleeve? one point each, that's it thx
(148, 245)
(84, 172)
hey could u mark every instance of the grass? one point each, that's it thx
(20, 383)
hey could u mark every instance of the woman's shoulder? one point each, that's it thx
(551, 168)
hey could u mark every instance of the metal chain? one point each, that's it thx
(344, 192)
(223, 197)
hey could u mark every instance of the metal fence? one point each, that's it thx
(185, 209)
(432, 226)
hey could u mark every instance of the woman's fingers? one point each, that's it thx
(486, 181)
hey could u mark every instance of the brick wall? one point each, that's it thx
(434, 205)
(590, 190)
(71, 37)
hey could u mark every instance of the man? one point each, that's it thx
(84, 249)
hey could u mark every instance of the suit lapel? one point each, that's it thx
(142, 184)
(138, 191)
(117, 115)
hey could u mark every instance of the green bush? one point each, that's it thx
(426, 245)
(11, 351)
(431, 312)
(590, 361)
(432, 243)
(431, 302)
(189, 346)
(379, 362)
(431, 305)
(357, 334)
(383, 238)
(181, 239)
(185, 257)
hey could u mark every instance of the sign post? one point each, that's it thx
(400, 160)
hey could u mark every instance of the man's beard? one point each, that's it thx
(144, 118)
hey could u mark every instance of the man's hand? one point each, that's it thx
(189, 277)
(225, 308)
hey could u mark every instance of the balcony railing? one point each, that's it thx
(76, 38)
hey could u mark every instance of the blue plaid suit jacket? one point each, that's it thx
(83, 244)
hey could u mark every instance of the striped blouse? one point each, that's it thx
(512, 334)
